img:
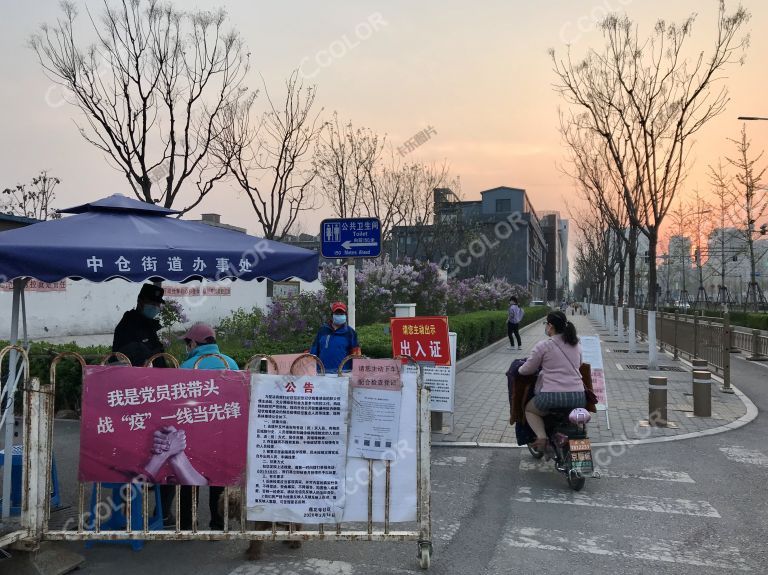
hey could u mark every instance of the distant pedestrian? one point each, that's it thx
(514, 317)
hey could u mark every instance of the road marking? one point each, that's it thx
(610, 501)
(619, 367)
(627, 546)
(741, 454)
(293, 567)
(650, 473)
(444, 529)
(285, 566)
(456, 460)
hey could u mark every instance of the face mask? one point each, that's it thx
(339, 319)
(150, 311)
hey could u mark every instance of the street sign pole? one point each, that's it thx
(351, 293)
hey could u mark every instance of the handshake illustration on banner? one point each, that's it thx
(168, 446)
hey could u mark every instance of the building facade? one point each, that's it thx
(555, 231)
(496, 236)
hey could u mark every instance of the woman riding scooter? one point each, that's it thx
(559, 384)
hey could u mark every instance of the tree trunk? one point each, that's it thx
(632, 253)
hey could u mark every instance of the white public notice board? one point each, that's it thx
(297, 444)
(374, 423)
(402, 470)
(441, 381)
(375, 410)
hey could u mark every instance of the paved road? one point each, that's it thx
(694, 506)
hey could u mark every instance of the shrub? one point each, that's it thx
(474, 331)
(380, 284)
(475, 294)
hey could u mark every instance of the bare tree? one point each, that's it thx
(750, 204)
(593, 250)
(721, 241)
(702, 225)
(151, 89)
(270, 158)
(415, 210)
(646, 97)
(346, 161)
(34, 200)
(592, 168)
(361, 177)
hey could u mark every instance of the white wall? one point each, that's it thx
(88, 312)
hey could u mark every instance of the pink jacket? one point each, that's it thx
(559, 369)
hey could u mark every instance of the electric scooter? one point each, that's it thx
(568, 444)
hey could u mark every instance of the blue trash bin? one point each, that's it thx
(17, 468)
(17, 464)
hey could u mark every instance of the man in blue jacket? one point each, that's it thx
(201, 340)
(336, 340)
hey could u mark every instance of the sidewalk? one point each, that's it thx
(481, 413)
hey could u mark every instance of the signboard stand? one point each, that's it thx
(423, 340)
(593, 355)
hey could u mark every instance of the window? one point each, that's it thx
(503, 205)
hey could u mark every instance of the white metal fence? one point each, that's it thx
(34, 525)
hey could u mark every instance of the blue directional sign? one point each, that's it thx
(350, 238)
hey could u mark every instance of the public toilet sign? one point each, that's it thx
(350, 238)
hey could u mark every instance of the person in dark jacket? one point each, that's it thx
(136, 334)
(136, 337)
(335, 340)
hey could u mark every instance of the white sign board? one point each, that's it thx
(402, 470)
(441, 381)
(374, 423)
(297, 443)
(593, 355)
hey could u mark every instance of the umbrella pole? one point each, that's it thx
(18, 288)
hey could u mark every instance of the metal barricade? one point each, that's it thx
(29, 521)
(699, 337)
(38, 439)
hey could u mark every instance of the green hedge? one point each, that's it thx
(749, 320)
(474, 331)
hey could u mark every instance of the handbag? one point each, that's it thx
(589, 394)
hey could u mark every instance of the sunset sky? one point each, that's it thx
(478, 73)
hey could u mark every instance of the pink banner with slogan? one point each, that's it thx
(167, 426)
(598, 386)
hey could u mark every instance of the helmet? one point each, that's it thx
(579, 416)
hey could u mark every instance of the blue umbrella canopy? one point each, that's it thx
(119, 237)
